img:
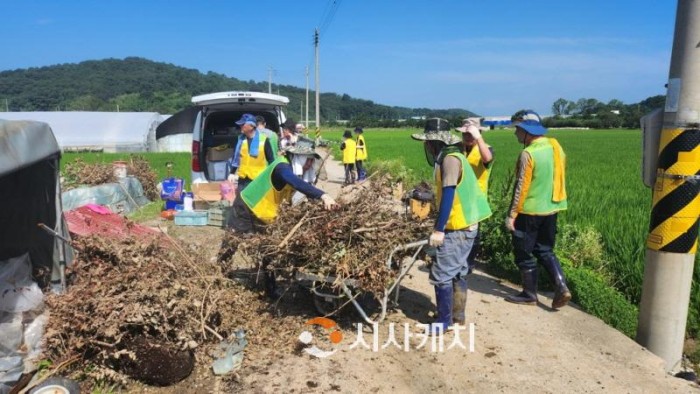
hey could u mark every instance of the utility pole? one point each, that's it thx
(7, 107)
(269, 79)
(673, 229)
(318, 87)
(307, 98)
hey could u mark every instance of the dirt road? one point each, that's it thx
(515, 349)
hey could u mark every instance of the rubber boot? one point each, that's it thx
(529, 294)
(352, 177)
(459, 301)
(444, 301)
(362, 175)
(562, 295)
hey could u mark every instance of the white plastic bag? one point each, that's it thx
(18, 292)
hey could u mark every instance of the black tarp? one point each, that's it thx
(30, 194)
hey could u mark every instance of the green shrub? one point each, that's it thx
(582, 246)
(592, 293)
(394, 167)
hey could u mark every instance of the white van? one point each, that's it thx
(212, 120)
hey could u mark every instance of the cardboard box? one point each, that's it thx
(203, 205)
(207, 192)
(214, 154)
(218, 170)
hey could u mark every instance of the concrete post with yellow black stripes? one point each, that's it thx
(673, 229)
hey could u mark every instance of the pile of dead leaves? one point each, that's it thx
(353, 242)
(78, 173)
(136, 290)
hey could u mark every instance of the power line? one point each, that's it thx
(326, 21)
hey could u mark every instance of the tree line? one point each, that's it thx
(589, 112)
(136, 84)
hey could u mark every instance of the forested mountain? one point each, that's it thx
(137, 84)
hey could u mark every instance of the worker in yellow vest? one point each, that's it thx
(252, 154)
(260, 201)
(361, 154)
(461, 206)
(480, 157)
(349, 149)
(539, 194)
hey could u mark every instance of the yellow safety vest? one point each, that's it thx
(250, 167)
(349, 152)
(361, 149)
(470, 205)
(261, 197)
(480, 170)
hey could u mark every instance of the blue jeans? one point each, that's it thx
(451, 257)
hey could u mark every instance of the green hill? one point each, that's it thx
(137, 84)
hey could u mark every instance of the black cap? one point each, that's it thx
(289, 124)
(358, 129)
(347, 134)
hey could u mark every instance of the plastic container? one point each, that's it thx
(171, 204)
(191, 218)
(172, 189)
(119, 169)
(188, 200)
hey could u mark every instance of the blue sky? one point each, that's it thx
(492, 57)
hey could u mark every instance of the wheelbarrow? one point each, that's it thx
(327, 303)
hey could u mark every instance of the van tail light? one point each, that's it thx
(196, 165)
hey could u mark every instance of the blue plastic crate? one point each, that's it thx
(191, 218)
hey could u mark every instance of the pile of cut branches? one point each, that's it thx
(352, 242)
(125, 292)
(79, 173)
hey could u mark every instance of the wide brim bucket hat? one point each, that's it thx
(302, 150)
(437, 129)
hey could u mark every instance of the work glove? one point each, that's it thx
(474, 132)
(437, 238)
(328, 202)
(510, 224)
(233, 178)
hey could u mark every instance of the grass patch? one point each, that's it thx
(149, 211)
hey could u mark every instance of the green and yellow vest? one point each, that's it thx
(470, 205)
(261, 197)
(544, 186)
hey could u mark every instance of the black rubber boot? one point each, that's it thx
(562, 295)
(529, 294)
(459, 301)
